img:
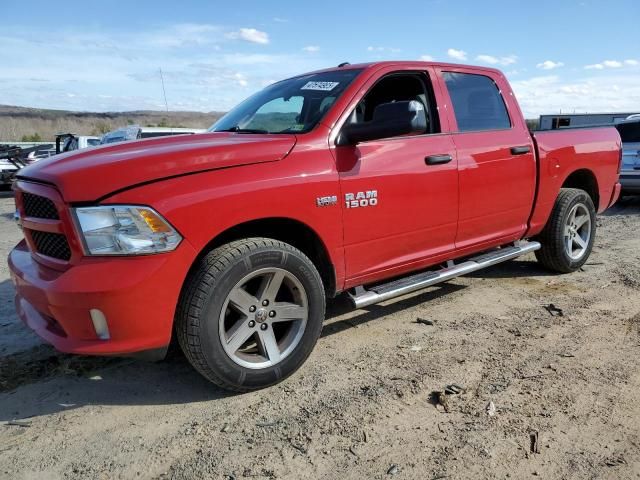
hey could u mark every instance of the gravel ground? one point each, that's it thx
(543, 394)
(13, 336)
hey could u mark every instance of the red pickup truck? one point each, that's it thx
(375, 180)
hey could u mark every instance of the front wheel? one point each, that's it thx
(567, 239)
(250, 314)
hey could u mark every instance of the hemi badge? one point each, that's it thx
(326, 201)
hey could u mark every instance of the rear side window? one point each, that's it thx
(477, 102)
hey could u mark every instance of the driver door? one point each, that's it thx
(399, 194)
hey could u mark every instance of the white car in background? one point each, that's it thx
(66, 142)
(136, 132)
(7, 171)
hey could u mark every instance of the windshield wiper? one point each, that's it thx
(237, 129)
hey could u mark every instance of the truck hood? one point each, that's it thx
(94, 173)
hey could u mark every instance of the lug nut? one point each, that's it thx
(252, 324)
(265, 303)
(263, 326)
(272, 313)
(252, 308)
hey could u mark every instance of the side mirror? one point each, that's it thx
(389, 120)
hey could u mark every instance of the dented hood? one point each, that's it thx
(94, 173)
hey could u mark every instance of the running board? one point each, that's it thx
(379, 293)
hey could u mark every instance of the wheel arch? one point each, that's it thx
(288, 230)
(584, 179)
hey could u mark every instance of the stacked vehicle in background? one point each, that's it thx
(13, 158)
(136, 132)
(629, 131)
(67, 142)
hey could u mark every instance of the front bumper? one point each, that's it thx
(136, 295)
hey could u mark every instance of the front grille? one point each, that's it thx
(52, 245)
(39, 207)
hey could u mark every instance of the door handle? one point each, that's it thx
(437, 159)
(520, 150)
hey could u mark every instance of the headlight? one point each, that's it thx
(125, 230)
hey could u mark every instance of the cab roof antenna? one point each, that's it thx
(164, 92)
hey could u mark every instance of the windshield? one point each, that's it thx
(295, 105)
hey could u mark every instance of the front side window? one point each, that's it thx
(295, 105)
(398, 87)
(477, 102)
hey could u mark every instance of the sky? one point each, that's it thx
(563, 55)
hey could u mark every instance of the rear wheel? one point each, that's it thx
(567, 239)
(251, 313)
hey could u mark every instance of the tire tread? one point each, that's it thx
(552, 255)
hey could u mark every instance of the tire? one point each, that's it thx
(566, 248)
(233, 292)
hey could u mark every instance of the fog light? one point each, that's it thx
(100, 324)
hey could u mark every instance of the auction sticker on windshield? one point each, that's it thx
(323, 86)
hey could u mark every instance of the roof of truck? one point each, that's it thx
(405, 63)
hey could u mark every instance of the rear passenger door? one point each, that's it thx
(496, 161)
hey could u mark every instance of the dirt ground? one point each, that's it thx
(362, 406)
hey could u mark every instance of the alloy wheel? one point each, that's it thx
(263, 318)
(577, 232)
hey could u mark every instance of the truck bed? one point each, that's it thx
(563, 151)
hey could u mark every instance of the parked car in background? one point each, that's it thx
(136, 132)
(67, 142)
(630, 172)
(14, 157)
(8, 170)
(8, 167)
(376, 180)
